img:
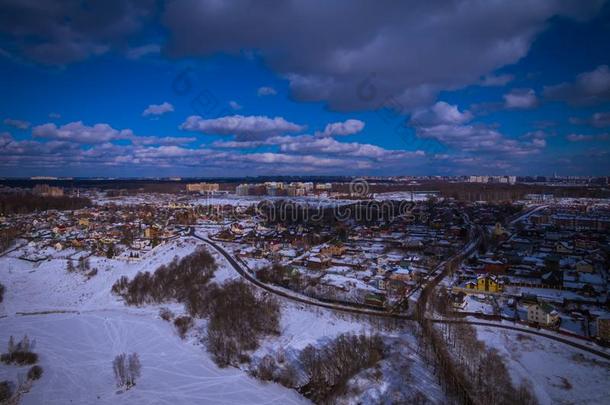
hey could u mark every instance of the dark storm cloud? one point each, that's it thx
(60, 32)
(356, 53)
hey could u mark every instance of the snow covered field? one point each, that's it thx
(403, 195)
(77, 346)
(76, 353)
(558, 374)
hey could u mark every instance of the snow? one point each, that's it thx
(404, 195)
(474, 304)
(48, 286)
(244, 201)
(80, 326)
(76, 353)
(559, 374)
(302, 326)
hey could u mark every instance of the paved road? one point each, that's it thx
(529, 211)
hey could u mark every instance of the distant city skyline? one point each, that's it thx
(141, 88)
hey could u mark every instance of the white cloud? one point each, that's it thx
(440, 113)
(141, 51)
(275, 158)
(266, 91)
(348, 127)
(81, 133)
(235, 105)
(330, 146)
(521, 99)
(164, 140)
(492, 80)
(19, 124)
(587, 138)
(446, 124)
(245, 127)
(597, 120)
(158, 109)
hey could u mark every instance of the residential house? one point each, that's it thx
(584, 266)
(542, 314)
(486, 283)
(315, 262)
(603, 328)
(334, 249)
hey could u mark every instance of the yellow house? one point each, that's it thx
(486, 283)
(83, 222)
(584, 266)
(151, 232)
(499, 230)
(336, 250)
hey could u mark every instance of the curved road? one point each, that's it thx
(302, 299)
(365, 311)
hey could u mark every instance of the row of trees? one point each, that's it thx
(23, 203)
(177, 281)
(329, 368)
(467, 369)
(7, 237)
(2, 289)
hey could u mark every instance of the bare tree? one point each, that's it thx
(134, 367)
(20, 353)
(120, 372)
(126, 369)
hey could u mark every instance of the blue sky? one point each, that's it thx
(194, 88)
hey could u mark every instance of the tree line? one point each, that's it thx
(175, 281)
(24, 203)
(467, 370)
(7, 237)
